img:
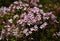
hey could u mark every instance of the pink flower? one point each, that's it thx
(32, 29)
(20, 21)
(43, 25)
(22, 15)
(25, 31)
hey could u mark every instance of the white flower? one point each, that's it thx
(40, 5)
(28, 24)
(25, 31)
(18, 7)
(34, 20)
(58, 33)
(10, 20)
(16, 2)
(36, 9)
(25, 8)
(41, 11)
(10, 6)
(54, 34)
(3, 31)
(15, 16)
(14, 33)
(26, 5)
(31, 38)
(0, 37)
(44, 14)
(8, 26)
(35, 26)
(32, 29)
(43, 25)
(20, 21)
(27, 34)
(45, 17)
(30, 32)
(4, 10)
(8, 29)
(14, 7)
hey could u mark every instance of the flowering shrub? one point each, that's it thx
(23, 19)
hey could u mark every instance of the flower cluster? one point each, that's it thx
(12, 7)
(35, 16)
(27, 22)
